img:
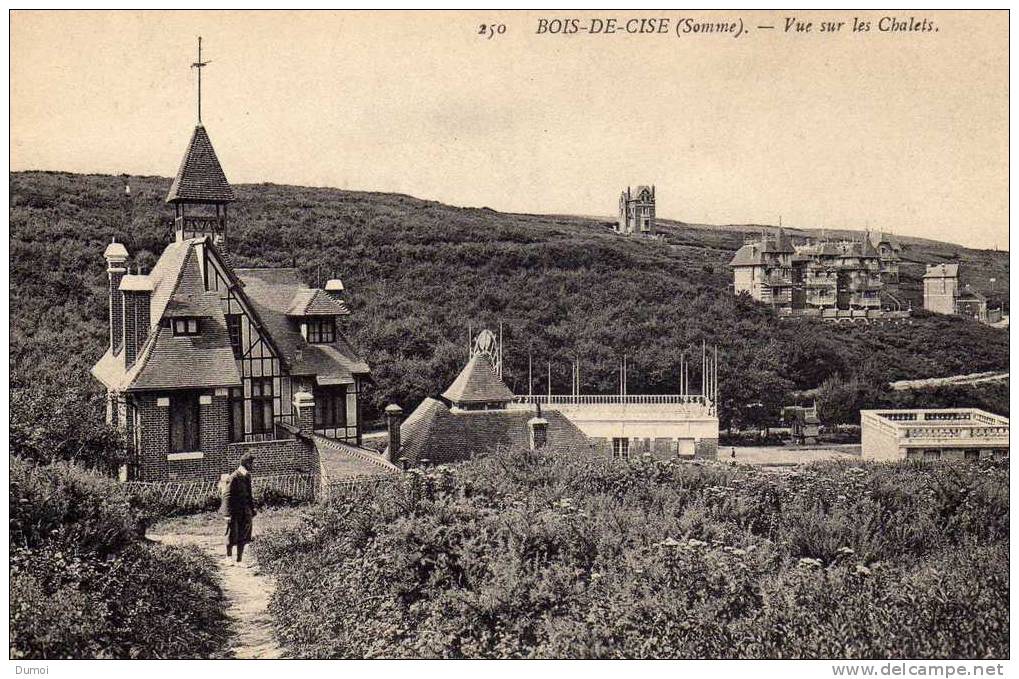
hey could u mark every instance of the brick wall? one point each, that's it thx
(281, 456)
(155, 438)
(130, 349)
(116, 309)
(286, 456)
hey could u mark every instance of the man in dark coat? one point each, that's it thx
(239, 503)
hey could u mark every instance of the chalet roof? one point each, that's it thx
(969, 293)
(867, 249)
(877, 237)
(437, 433)
(166, 361)
(748, 255)
(478, 383)
(272, 292)
(942, 271)
(314, 302)
(200, 178)
(177, 288)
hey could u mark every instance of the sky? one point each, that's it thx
(901, 131)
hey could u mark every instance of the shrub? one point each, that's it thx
(541, 555)
(84, 584)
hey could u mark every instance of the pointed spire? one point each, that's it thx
(200, 178)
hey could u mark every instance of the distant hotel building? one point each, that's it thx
(816, 278)
(637, 211)
(942, 434)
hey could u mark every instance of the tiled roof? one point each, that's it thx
(436, 433)
(200, 177)
(942, 271)
(877, 237)
(168, 362)
(206, 360)
(271, 293)
(748, 255)
(867, 249)
(969, 293)
(341, 461)
(314, 302)
(478, 383)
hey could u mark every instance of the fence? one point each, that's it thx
(584, 399)
(197, 495)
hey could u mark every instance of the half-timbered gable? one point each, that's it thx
(206, 362)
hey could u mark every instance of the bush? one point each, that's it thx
(539, 555)
(84, 584)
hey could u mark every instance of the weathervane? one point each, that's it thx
(200, 65)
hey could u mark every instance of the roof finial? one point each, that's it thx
(200, 65)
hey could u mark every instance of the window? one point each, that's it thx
(330, 408)
(185, 326)
(233, 328)
(236, 415)
(972, 454)
(932, 454)
(321, 330)
(261, 405)
(621, 448)
(184, 423)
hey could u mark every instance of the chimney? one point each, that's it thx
(304, 404)
(394, 416)
(537, 427)
(116, 256)
(334, 288)
(136, 291)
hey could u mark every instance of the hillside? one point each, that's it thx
(419, 272)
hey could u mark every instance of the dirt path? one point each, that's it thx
(246, 589)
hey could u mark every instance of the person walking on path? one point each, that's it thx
(239, 503)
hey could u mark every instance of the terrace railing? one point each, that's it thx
(591, 399)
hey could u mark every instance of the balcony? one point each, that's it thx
(865, 285)
(776, 281)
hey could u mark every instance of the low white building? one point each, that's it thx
(933, 434)
(663, 425)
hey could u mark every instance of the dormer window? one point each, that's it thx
(184, 327)
(321, 330)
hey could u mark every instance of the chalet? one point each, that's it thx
(941, 288)
(813, 278)
(207, 361)
(889, 252)
(943, 294)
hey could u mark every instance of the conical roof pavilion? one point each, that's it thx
(478, 383)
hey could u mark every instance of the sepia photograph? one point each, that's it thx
(493, 334)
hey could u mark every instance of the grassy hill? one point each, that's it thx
(419, 273)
